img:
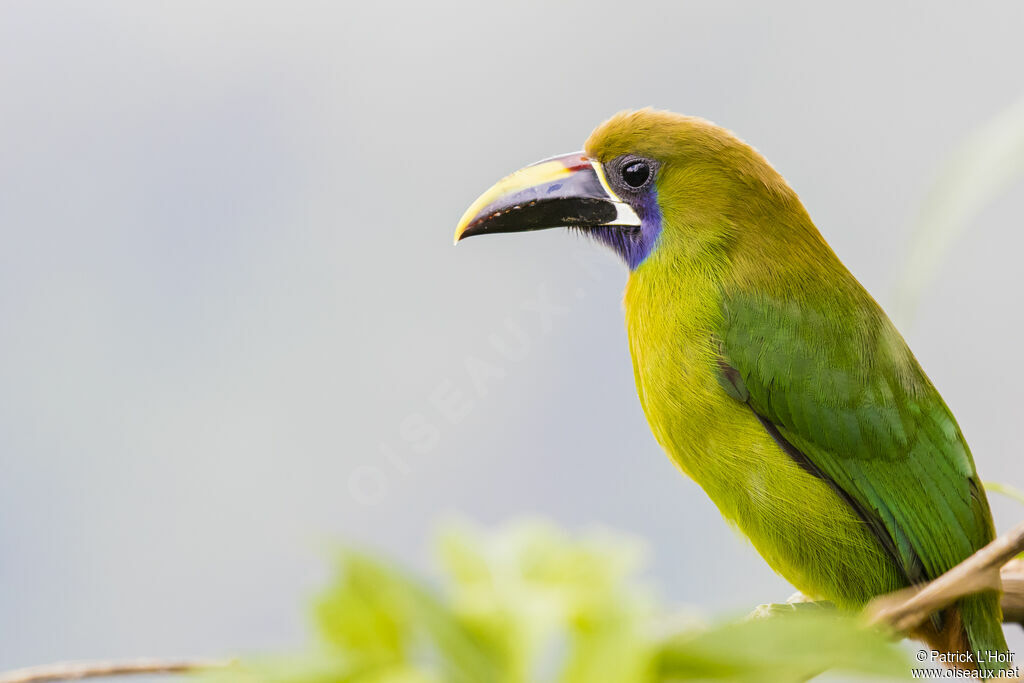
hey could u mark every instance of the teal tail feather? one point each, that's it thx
(982, 621)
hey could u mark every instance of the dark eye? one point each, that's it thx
(636, 173)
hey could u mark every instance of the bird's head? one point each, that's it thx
(648, 182)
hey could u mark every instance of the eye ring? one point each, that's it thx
(635, 173)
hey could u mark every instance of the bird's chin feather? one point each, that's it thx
(632, 244)
(627, 242)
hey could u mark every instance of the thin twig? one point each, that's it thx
(907, 609)
(68, 671)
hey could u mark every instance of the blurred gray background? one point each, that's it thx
(234, 328)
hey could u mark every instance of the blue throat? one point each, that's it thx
(633, 245)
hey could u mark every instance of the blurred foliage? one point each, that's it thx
(984, 165)
(1005, 490)
(532, 603)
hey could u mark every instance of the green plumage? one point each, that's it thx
(777, 383)
(853, 400)
(865, 416)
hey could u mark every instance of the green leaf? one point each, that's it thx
(379, 617)
(1004, 489)
(787, 647)
(556, 607)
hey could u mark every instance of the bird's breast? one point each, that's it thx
(673, 329)
(795, 520)
(672, 326)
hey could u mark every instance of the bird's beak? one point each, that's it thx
(570, 190)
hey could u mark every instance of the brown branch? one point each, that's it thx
(67, 671)
(991, 568)
(1013, 591)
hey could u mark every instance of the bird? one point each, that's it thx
(766, 371)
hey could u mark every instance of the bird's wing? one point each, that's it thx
(839, 390)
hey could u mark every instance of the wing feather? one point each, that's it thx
(861, 411)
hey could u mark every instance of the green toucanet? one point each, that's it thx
(766, 371)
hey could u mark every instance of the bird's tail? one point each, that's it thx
(973, 628)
